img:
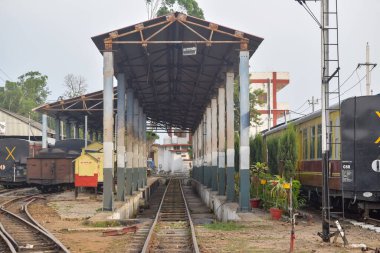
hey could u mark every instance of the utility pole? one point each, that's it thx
(313, 102)
(367, 64)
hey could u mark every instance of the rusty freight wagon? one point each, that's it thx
(53, 169)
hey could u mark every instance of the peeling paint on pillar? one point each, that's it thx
(214, 144)
(221, 140)
(129, 172)
(230, 171)
(121, 192)
(244, 131)
(108, 73)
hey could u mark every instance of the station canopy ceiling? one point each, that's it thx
(174, 63)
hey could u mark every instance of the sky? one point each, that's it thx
(54, 38)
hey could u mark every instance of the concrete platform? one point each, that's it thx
(89, 206)
(223, 210)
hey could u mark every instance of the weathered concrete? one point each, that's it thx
(223, 210)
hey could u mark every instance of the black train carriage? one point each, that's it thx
(360, 122)
(53, 168)
(13, 156)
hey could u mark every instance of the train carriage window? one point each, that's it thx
(312, 143)
(305, 147)
(319, 142)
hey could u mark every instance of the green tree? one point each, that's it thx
(256, 147)
(288, 152)
(28, 92)
(162, 7)
(254, 114)
(272, 150)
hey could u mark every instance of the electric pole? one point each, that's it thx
(313, 102)
(367, 64)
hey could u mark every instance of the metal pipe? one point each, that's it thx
(44, 130)
(244, 131)
(214, 144)
(108, 73)
(121, 191)
(230, 172)
(221, 140)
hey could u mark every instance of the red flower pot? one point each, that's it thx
(275, 213)
(255, 203)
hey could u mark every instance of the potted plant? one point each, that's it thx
(279, 195)
(257, 172)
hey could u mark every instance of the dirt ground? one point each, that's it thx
(257, 234)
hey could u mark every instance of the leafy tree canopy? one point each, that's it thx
(162, 7)
(28, 92)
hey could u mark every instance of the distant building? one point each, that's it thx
(271, 110)
(13, 125)
(173, 155)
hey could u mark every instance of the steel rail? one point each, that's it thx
(149, 237)
(4, 237)
(28, 224)
(193, 237)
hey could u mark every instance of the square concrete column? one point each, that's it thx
(230, 171)
(68, 129)
(108, 73)
(44, 130)
(57, 129)
(130, 140)
(121, 190)
(141, 149)
(221, 141)
(85, 131)
(135, 157)
(244, 131)
(145, 151)
(195, 162)
(200, 151)
(214, 144)
(208, 170)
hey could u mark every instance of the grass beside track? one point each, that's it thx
(224, 226)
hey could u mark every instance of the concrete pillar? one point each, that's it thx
(68, 129)
(97, 136)
(145, 152)
(214, 144)
(221, 141)
(230, 171)
(200, 151)
(130, 141)
(108, 73)
(141, 149)
(135, 159)
(208, 170)
(121, 191)
(194, 147)
(244, 131)
(85, 130)
(57, 129)
(91, 135)
(76, 130)
(44, 130)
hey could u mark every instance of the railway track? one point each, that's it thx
(22, 231)
(172, 229)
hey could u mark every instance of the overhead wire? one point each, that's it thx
(5, 74)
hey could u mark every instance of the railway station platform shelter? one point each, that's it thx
(175, 71)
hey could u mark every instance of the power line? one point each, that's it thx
(301, 106)
(5, 74)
